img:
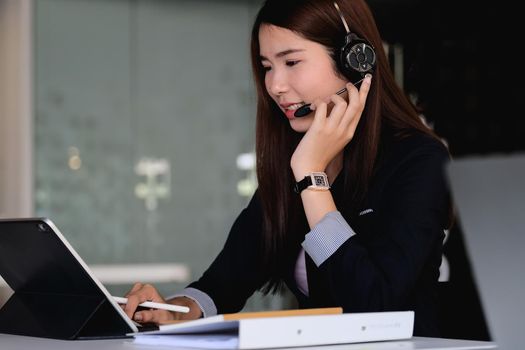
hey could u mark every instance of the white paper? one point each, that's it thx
(286, 331)
(202, 341)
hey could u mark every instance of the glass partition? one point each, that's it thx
(144, 128)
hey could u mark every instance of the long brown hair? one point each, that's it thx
(387, 106)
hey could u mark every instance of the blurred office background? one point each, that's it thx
(130, 123)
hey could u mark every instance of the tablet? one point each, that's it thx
(55, 293)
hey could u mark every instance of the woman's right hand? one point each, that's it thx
(146, 292)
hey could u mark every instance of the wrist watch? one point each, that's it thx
(313, 181)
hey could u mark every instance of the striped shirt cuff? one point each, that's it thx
(202, 299)
(326, 237)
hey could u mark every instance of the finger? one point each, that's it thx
(135, 288)
(365, 88)
(150, 293)
(353, 112)
(153, 316)
(338, 110)
(352, 91)
(353, 94)
(320, 113)
(144, 293)
(359, 106)
(351, 121)
(354, 101)
(143, 316)
(131, 305)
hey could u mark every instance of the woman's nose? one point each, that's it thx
(277, 84)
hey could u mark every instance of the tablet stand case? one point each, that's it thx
(61, 317)
(54, 297)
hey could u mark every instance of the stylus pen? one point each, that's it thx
(153, 305)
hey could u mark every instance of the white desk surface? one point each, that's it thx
(14, 342)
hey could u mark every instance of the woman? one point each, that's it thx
(373, 240)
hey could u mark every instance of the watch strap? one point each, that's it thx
(314, 180)
(301, 185)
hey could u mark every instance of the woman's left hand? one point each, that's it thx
(328, 135)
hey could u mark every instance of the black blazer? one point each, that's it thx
(392, 263)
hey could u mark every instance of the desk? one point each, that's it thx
(14, 342)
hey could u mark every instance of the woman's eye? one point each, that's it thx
(266, 68)
(291, 63)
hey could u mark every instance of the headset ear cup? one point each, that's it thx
(357, 56)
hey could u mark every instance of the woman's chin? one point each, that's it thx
(301, 125)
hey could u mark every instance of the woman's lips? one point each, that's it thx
(289, 113)
(289, 109)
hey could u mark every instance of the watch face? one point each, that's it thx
(319, 180)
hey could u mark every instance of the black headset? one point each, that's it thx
(357, 56)
(355, 59)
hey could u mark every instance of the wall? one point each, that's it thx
(15, 108)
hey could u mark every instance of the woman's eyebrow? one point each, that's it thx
(282, 53)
